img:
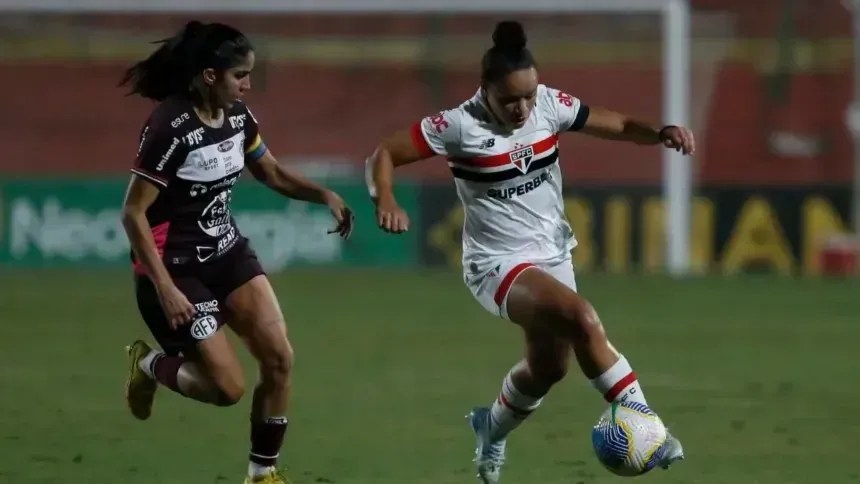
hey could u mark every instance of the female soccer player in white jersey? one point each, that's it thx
(502, 149)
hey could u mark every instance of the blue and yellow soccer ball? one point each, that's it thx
(628, 438)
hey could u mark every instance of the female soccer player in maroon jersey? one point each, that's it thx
(194, 271)
(502, 149)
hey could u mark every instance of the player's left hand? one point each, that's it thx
(341, 213)
(678, 138)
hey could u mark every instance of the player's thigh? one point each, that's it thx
(200, 340)
(538, 301)
(149, 307)
(491, 288)
(207, 320)
(218, 359)
(257, 318)
(254, 313)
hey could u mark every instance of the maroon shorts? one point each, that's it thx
(206, 286)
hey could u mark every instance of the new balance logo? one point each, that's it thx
(487, 143)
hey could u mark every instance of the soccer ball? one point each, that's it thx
(628, 438)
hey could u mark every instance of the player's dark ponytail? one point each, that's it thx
(508, 53)
(172, 69)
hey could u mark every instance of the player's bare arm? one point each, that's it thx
(607, 124)
(140, 195)
(396, 150)
(279, 178)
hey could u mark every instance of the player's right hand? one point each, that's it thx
(177, 307)
(390, 217)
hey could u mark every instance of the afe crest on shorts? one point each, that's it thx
(204, 327)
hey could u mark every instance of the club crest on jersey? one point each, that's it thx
(522, 158)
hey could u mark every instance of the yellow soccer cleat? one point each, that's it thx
(139, 387)
(273, 477)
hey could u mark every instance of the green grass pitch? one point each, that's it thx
(757, 376)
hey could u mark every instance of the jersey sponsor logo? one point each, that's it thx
(564, 98)
(227, 242)
(237, 121)
(207, 306)
(521, 189)
(215, 219)
(226, 146)
(207, 164)
(167, 154)
(522, 158)
(204, 327)
(194, 137)
(142, 139)
(202, 189)
(179, 120)
(230, 167)
(439, 123)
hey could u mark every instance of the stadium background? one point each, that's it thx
(750, 369)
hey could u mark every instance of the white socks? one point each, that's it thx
(619, 383)
(510, 409)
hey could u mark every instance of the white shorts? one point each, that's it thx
(491, 288)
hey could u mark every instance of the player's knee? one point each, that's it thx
(229, 392)
(276, 364)
(580, 319)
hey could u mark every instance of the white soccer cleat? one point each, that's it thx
(489, 456)
(672, 452)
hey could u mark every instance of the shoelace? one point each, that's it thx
(495, 453)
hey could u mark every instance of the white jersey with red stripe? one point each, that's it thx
(509, 182)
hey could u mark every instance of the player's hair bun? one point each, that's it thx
(193, 27)
(509, 35)
(508, 54)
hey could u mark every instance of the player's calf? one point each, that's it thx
(210, 373)
(546, 363)
(610, 372)
(538, 301)
(514, 405)
(189, 379)
(271, 397)
(260, 324)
